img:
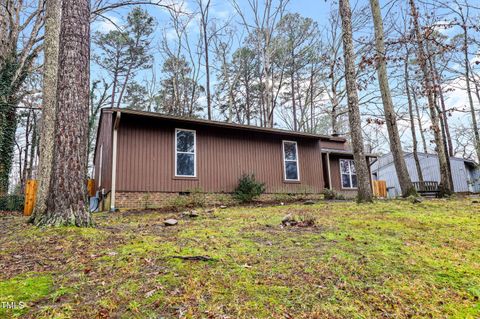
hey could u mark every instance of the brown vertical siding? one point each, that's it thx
(335, 171)
(333, 145)
(104, 138)
(145, 159)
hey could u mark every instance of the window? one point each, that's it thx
(348, 173)
(185, 153)
(290, 161)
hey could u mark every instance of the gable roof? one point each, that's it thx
(220, 124)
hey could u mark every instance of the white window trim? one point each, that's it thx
(349, 173)
(194, 152)
(296, 161)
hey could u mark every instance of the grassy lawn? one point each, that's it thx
(393, 259)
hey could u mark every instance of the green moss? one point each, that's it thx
(359, 261)
(24, 289)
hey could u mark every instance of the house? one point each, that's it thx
(142, 154)
(465, 173)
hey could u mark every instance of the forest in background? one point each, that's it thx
(261, 63)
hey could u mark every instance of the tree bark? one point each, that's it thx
(419, 120)
(406, 185)
(444, 109)
(33, 146)
(294, 106)
(444, 179)
(441, 114)
(412, 122)
(476, 133)
(67, 200)
(204, 22)
(361, 166)
(53, 17)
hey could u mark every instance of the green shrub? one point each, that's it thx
(248, 189)
(330, 194)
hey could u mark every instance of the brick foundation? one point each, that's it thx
(147, 200)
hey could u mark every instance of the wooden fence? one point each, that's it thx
(379, 188)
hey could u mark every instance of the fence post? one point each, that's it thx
(30, 194)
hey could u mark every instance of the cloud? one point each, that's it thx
(106, 24)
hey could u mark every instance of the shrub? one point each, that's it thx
(329, 194)
(248, 188)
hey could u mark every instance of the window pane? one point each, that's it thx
(291, 170)
(346, 181)
(290, 151)
(354, 180)
(186, 164)
(185, 141)
(344, 167)
(352, 167)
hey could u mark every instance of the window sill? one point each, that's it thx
(185, 178)
(291, 182)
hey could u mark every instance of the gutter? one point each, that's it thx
(114, 160)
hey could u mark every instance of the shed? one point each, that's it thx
(465, 172)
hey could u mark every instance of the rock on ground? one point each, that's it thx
(170, 222)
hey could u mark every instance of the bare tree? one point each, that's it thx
(445, 186)
(204, 7)
(390, 116)
(361, 166)
(20, 45)
(265, 18)
(412, 119)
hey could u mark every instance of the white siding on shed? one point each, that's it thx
(461, 172)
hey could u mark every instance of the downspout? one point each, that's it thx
(114, 161)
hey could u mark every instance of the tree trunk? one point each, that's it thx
(8, 120)
(294, 109)
(204, 17)
(419, 120)
(33, 147)
(444, 179)
(67, 200)
(53, 17)
(412, 122)
(361, 166)
(23, 171)
(312, 105)
(247, 100)
(444, 109)
(441, 115)
(406, 185)
(476, 133)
